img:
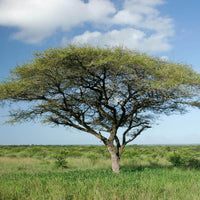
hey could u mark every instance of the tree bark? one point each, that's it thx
(115, 159)
(115, 163)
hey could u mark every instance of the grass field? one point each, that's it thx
(84, 172)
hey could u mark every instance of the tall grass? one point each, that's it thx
(139, 183)
(146, 174)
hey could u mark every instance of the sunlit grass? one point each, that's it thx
(138, 183)
(146, 174)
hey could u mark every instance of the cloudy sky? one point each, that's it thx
(166, 28)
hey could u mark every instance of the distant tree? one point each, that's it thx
(111, 93)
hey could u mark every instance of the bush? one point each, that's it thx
(193, 163)
(61, 160)
(176, 160)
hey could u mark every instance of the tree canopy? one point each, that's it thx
(100, 90)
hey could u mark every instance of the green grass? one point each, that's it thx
(29, 172)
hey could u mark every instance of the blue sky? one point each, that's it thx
(169, 29)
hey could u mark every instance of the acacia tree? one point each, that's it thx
(111, 93)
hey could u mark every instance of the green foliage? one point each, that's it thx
(135, 152)
(61, 160)
(75, 154)
(186, 160)
(176, 160)
(193, 163)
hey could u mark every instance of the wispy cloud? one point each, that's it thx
(138, 24)
(127, 37)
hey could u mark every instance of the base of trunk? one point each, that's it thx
(115, 159)
(115, 164)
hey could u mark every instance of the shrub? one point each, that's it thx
(167, 148)
(61, 160)
(176, 160)
(193, 163)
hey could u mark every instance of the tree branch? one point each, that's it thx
(135, 135)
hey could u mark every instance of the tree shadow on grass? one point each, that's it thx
(138, 168)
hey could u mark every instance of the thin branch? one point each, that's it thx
(135, 135)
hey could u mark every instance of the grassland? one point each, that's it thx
(84, 173)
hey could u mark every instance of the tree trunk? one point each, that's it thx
(115, 163)
(115, 159)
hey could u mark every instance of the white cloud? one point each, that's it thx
(139, 23)
(127, 18)
(141, 27)
(128, 37)
(38, 19)
(143, 14)
(122, 37)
